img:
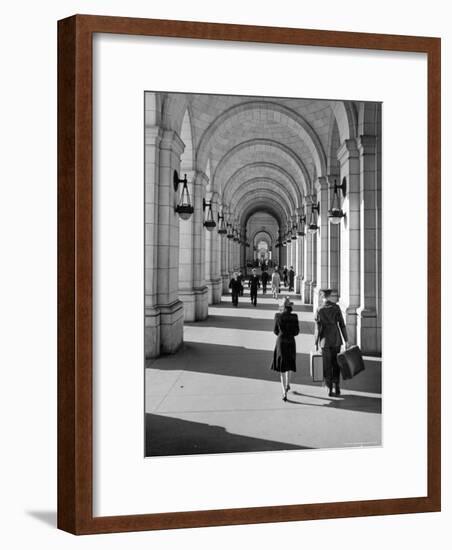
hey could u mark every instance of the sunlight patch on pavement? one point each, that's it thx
(248, 339)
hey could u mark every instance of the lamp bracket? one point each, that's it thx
(177, 180)
(342, 187)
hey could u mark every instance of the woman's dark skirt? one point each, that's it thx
(284, 355)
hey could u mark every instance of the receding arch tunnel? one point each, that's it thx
(268, 165)
(248, 201)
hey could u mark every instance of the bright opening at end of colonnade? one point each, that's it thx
(262, 264)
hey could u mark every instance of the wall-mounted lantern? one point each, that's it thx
(335, 213)
(222, 229)
(236, 235)
(184, 207)
(209, 222)
(230, 231)
(284, 243)
(312, 226)
(301, 225)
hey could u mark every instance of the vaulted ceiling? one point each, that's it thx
(259, 153)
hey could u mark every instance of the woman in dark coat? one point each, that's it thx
(284, 355)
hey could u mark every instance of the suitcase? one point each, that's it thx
(350, 362)
(316, 366)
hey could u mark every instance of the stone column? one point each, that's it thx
(348, 157)
(243, 250)
(153, 136)
(314, 283)
(367, 313)
(236, 256)
(192, 287)
(224, 263)
(212, 265)
(225, 255)
(293, 258)
(230, 257)
(322, 237)
(307, 275)
(199, 248)
(299, 264)
(334, 246)
(288, 253)
(299, 259)
(171, 308)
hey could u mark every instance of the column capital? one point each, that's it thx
(321, 183)
(153, 135)
(333, 178)
(367, 144)
(212, 196)
(172, 142)
(200, 178)
(300, 210)
(309, 199)
(347, 150)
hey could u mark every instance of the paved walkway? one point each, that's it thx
(219, 395)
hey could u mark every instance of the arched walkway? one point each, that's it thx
(235, 183)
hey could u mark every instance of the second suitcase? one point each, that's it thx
(350, 362)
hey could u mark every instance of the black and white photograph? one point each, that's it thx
(262, 274)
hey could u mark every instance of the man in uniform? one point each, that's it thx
(253, 285)
(284, 274)
(235, 285)
(240, 278)
(264, 281)
(329, 324)
(291, 278)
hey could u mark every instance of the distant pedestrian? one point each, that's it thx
(253, 285)
(234, 285)
(329, 327)
(284, 274)
(276, 283)
(284, 356)
(291, 278)
(240, 277)
(264, 279)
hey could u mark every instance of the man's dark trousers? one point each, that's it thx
(331, 370)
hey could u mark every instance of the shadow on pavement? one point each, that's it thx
(238, 361)
(167, 436)
(246, 323)
(266, 302)
(359, 403)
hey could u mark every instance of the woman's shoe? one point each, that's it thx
(284, 397)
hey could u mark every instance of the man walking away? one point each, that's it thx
(291, 278)
(234, 285)
(253, 285)
(284, 273)
(240, 278)
(264, 281)
(329, 326)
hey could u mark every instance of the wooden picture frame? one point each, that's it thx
(75, 278)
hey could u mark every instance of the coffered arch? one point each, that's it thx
(261, 150)
(268, 170)
(264, 111)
